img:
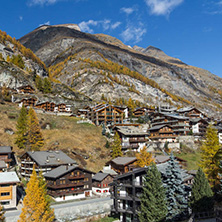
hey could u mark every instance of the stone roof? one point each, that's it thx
(62, 170)
(2, 164)
(131, 131)
(49, 158)
(100, 176)
(109, 171)
(5, 149)
(123, 160)
(8, 177)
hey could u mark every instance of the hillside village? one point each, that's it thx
(160, 129)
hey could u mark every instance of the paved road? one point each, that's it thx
(14, 214)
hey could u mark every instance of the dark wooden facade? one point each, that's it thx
(6, 155)
(26, 89)
(180, 124)
(28, 102)
(143, 111)
(45, 161)
(104, 113)
(70, 182)
(47, 106)
(103, 183)
(162, 133)
(122, 165)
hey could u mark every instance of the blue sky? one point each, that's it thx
(190, 30)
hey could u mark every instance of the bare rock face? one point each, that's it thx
(69, 48)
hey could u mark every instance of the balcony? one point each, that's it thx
(136, 140)
(73, 177)
(125, 210)
(59, 186)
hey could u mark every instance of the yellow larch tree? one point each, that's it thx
(36, 206)
(209, 149)
(2, 217)
(34, 136)
(144, 158)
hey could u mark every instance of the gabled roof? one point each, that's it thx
(123, 160)
(62, 170)
(5, 149)
(157, 127)
(135, 171)
(100, 176)
(163, 158)
(50, 158)
(8, 177)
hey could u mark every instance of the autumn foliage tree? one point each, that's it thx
(34, 136)
(21, 127)
(116, 146)
(36, 206)
(209, 149)
(2, 217)
(144, 158)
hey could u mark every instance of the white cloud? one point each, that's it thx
(46, 23)
(162, 7)
(128, 11)
(41, 2)
(133, 33)
(115, 25)
(20, 18)
(106, 24)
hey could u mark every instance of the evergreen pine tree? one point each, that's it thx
(201, 199)
(116, 146)
(153, 199)
(2, 217)
(144, 158)
(209, 149)
(34, 138)
(21, 127)
(47, 87)
(36, 207)
(175, 191)
(38, 83)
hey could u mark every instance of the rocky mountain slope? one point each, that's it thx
(100, 64)
(19, 66)
(84, 67)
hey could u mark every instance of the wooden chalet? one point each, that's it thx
(132, 137)
(198, 126)
(180, 124)
(28, 102)
(6, 155)
(122, 164)
(8, 189)
(44, 161)
(162, 133)
(105, 113)
(100, 183)
(143, 111)
(83, 113)
(3, 166)
(191, 112)
(69, 182)
(47, 106)
(26, 89)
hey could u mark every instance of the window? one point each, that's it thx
(5, 194)
(5, 203)
(86, 186)
(86, 179)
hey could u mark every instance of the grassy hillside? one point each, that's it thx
(64, 133)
